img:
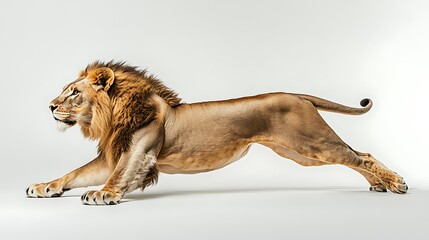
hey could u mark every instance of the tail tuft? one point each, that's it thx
(325, 105)
(365, 102)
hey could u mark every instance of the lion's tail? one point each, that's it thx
(329, 106)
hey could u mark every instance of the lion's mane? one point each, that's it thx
(124, 109)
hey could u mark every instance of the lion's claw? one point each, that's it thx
(398, 186)
(44, 190)
(100, 198)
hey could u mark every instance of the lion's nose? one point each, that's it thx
(53, 107)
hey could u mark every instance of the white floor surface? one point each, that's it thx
(235, 213)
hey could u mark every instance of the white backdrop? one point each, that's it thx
(208, 50)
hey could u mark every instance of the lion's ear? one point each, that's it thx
(104, 78)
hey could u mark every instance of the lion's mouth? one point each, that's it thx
(68, 122)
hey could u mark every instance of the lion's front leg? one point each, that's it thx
(132, 168)
(46, 190)
(93, 173)
(126, 178)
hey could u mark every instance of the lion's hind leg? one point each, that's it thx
(292, 155)
(304, 131)
(398, 186)
(375, 183)
(375, 172)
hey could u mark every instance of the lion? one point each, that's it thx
(143, 128)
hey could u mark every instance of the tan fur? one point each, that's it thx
(143, 129)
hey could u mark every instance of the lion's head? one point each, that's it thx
(84, 101)
(108, 96)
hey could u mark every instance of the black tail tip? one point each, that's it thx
(364, 102)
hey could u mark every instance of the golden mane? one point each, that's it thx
(125, 73)
(124, 109)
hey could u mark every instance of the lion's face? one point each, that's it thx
(75, 104)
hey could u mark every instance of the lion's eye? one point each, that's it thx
(75, 92)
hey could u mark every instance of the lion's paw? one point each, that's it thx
(378, 188)
(45, 190)
(100, 198)
(397, 186)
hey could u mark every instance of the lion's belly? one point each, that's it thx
(200, 161)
